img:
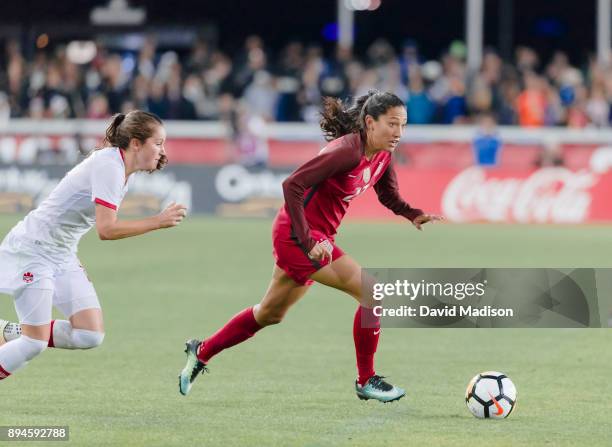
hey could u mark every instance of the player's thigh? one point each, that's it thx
(76, 297)
(33, 306)
(345, 274)
(282, 293)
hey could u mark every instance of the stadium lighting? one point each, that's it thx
(118, 12)
(374, 5)
(604, 9)
(42, 41)
(362, 5)
(474, 20)
(81, 52)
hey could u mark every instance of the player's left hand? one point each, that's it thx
(424, 218)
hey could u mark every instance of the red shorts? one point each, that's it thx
(292, 258)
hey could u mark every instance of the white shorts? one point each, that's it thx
(21, 266)
(37, 285)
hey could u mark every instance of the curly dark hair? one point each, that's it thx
(339, 118)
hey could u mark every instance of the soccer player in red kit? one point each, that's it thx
(317, 195)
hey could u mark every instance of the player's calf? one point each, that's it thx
(17, 353)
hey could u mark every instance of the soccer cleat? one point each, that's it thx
(192, 368)
(376, 388)
(3, 325)
(9, 331)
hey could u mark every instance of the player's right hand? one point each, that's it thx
(320, 252)
(172, 215)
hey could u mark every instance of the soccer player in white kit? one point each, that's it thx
(38, 258)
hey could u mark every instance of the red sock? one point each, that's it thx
(4, 373)
(366, 331)
(240, 328)
(51, 342)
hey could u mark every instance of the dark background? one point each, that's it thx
(545, 25)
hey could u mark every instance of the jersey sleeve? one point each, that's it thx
(310, 174)
(387, 190)
(107, 182)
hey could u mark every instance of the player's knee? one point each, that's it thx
(270, 317)
(31, 347)
(84, 339)
(274, 319)
(267, 315)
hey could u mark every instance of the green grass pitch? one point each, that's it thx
(293, 383)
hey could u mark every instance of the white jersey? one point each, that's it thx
(57, 225)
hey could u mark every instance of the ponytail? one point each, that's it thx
(112, 137)
(135, 124)
(125, 126)
(338, 118)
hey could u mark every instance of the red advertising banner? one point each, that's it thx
(549, 195)
(281, 153)
(456, 155)
(437, 177)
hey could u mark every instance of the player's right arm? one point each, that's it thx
(110, 228)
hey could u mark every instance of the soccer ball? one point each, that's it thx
(490, 394)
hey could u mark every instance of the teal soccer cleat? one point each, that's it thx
(376, 388)
(192, 368)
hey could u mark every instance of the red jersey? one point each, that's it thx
(319, 192)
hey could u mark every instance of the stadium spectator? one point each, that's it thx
(455, 108)
(409, 59)
(98, 107)
(288, 83)
(531, 103)
(506, 111)
(288, 86)
(5, 109)
(420, 107)
(597, 107)
(248, 139)
(551, 154)
(310, 95)
(487, 143)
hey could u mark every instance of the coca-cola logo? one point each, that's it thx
(549, 195)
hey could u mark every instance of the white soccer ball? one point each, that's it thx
(491, 394)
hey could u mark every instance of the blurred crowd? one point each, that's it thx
(208, 84)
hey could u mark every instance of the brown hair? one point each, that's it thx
(338, 118)
(135, 124)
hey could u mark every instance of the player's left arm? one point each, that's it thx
(387, 190)
(107, 182)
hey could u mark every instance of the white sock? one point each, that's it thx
(16, 353)
(65, 337)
